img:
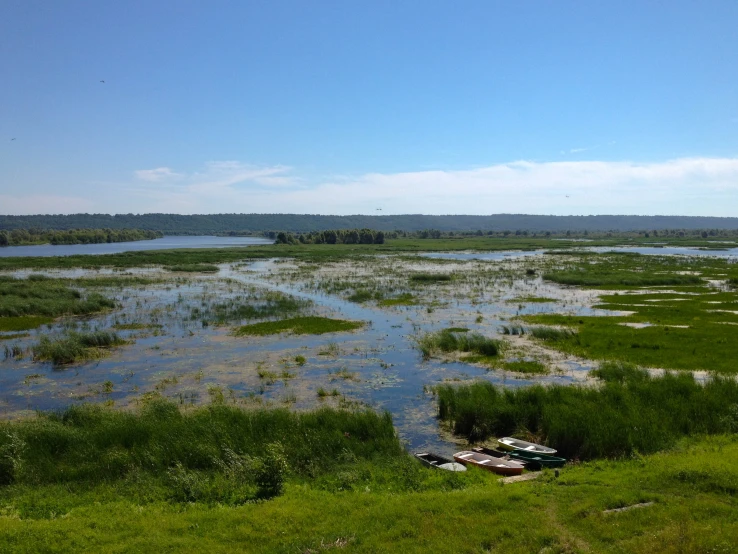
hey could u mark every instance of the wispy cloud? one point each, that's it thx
(687, 186)
(158, 175)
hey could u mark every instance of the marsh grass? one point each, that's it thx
(311, 325)
(447, 340)
(24, 322)
(76, 347)
(265, 304)
(430, 277)
(193, 268)
(45, 297)
(551, 333)
(405, 299)
(630, 412)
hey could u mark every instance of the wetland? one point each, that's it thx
(608, 355)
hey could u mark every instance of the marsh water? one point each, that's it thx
(176, 350)
(164, 243)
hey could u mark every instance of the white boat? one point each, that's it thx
(509, 443)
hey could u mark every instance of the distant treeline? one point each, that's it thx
(18, 237)
(331, 236)
(256, 224)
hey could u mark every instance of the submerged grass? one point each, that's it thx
(76, 347)
(405, 299)
(311, 325)
(430, 277)
(630, 412)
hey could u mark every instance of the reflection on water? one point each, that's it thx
(165, 243)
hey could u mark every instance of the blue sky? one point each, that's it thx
(343, 107)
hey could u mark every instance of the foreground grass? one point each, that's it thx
(311, 325)
(629, 412)
(693, 488)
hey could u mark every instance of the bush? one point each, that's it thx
(271, 471)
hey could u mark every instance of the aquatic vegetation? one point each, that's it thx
(24, 322)
(550, 333)
(311, 325)
(261, 305)
(531, 300)
(430, 277)
(448, 340)
(405, 299)
(45, 297)
(75, 347)
(630, 412)
(194, 268)
(529, 367)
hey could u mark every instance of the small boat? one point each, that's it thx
(537, 461)
(509, 443)
(497, 454)
(439, 462)
(490, 463)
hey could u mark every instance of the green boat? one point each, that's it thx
(534, 460)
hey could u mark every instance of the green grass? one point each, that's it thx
(136, 326)
(630, 412)
(626, 278)
(311, 325)
(550, 333)
(361, 295)
(76, 347)
(448, 340)
(110, 488)
(430, 277)
(531, 300)
(194, 268)
(45, 297)
(261, 305)
(24, 322)
(405, 299)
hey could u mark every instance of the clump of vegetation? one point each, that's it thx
(215, 454)
(259, 306)
(312, 325)
(550, 333)
(300, 360)
(405, 299)
(76, 347)
(630, 412)
(449, 340)
(24, 322)
(513, 330)
(361, 295)
(430, 277)
(45, 297)
(194, 268)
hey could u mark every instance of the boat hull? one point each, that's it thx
(489, 463)
(510, 444)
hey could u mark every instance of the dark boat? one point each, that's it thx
(490, 463)
(496, 454)
(439, 462)
(537, 461)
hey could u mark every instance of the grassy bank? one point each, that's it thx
(160, 480)
(630, 412)
(39, 296)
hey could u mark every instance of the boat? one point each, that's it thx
(509, 443)
(439, 462)
(537, 461)
(497, 454)
(490, 463)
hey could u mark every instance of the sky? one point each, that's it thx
(369, 107)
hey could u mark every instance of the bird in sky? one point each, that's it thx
(103, 82)
(379, 209)
(13, 138)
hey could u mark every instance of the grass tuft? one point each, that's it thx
(312, 325)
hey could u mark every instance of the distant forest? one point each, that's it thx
(19, 237)
(257, 224)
